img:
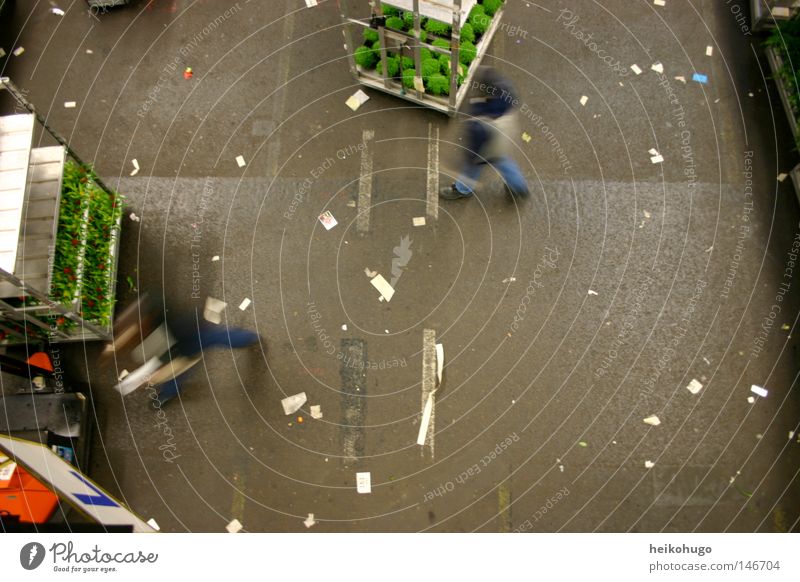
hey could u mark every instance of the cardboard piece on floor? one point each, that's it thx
(364, 482)
(383, 287)
(213, 310)
(292, 404)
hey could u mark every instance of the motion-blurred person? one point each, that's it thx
(488, 135)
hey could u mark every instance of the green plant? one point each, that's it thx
(467, 53)
(370, 35)
(479, 20)
(786, 41)
(392, 66)
(365, 57)
(408, 78)
(492, 6)
(408, 63)
(425, 54)
(390, 10)
(441, 43)
(394, 22)
(467, 33)
(437, 27)
(408, 20)
(438, 84)
(430, 67)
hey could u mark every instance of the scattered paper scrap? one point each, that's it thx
(135, 170)
(2, 52)
(69, 104)
(681, 78)
(786, 327)
(134, 218)
(427, 412)
(653, 151)
(709, 50)
(526, 137)
(364, 482)
(344, 327)
(309, 521)
(418, 84)
(652, 420)
(327, 220)
(439, 361)
(39, 382)
(418, 221)
(657, 67)
(561, 468)
(188, 73)
(245, 303)
(782, 177)
(781, 11)
(213, 310)
(646, 214)
(750, 94)
(240, 161)
(123, 374)
(759, 391)
(649, 464)
(89, 52)
(791, 434)
(694, 386)
(584, 100)
(636, 69)
(700, 78)
(154, 524)
(659, 2)
(234, 526)
(57, 11)
(18, 51)
(583, 444)
(592, 292)
(656, 159)
(509, 280)
(215, 258)
(311, 4)
(383, 287)
(293, 403)
(316, 411)
(356, 100)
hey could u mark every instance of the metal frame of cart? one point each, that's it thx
(437, 9)
(30, 185)
(768, 13)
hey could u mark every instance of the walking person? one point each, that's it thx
(492, 122)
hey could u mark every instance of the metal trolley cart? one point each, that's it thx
(404, 40)
(767, 13)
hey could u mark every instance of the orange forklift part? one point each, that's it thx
(25, 496)
(41, 360)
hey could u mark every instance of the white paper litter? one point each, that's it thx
(364, 482)
(694, 386)
(427, 412)
(646, 214)
(39, 382)
(245, 303)
(750, 399)
(652, 420)
(293, 403)
(311, 4)
(123, 374)
(782, 177)
(234, 526)
(418, 221)
(652, 151)
(344, 327)
(327, 220)
(657, 67)
(681, 78)
(135, 170)
(781, 11)
(649, 464)
(419, 84)
(89, 52)
(2, 52)
(759, 391)
(659, 2)
(18, 51)
(657, 159)
(240, 161)
(591, 292)
(154, 524)
(310, 519)
(439, 361)
(584, 100)
(316, 411)
(134, 218)
(709, 50)
(70, 104)
(636, 69)
(383, 287)
(509, 280)
(215, 258)
(370, 274)
(791, 434)
(213, 310)
(357, 99)
(526, 137)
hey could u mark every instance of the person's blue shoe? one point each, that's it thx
(450, 193)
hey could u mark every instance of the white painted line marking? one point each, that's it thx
(429, 383)
(432, 208)
(365, 183)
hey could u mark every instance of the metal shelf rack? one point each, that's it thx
(768, 13)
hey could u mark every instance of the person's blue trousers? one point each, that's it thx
(230, 337)
(505, 166)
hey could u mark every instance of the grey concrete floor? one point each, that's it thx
(652, 242)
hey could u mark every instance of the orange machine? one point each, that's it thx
(21, 494)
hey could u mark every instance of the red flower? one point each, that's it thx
(60, 321)
(74, 242)
(67, 270)
(90, 303)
